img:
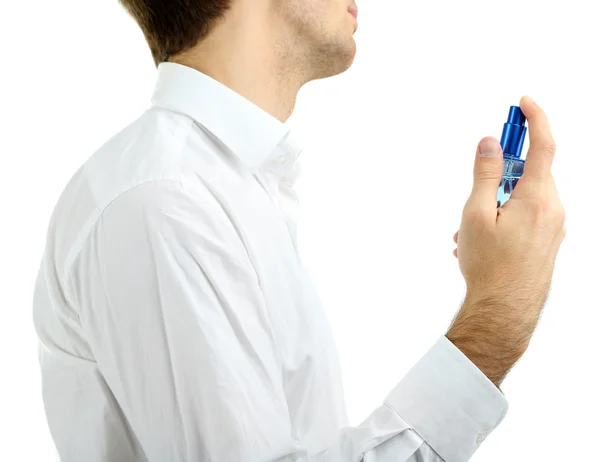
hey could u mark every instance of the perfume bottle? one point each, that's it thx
(513, 136)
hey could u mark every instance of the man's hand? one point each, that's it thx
(507, 254)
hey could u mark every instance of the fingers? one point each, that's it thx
(487, 174)
(542, 147)
(455, 239)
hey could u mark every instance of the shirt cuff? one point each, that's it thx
(449, 402)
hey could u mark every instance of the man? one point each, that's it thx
(175, 318)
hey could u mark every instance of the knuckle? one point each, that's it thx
(560, 215)
(549, 146)
(539, 206)
(488, 174)
(545, 210)
(489, 171)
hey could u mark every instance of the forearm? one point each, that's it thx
(492, 334)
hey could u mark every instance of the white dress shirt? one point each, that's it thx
(177, 322)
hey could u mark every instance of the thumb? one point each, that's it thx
(487, 174)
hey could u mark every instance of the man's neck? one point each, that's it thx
(250, 62)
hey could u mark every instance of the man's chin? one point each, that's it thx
(349, 58)
(336, 61)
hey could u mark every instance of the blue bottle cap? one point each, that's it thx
(513, 135)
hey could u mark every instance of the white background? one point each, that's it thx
(388, 164)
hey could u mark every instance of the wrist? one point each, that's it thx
(492, 334)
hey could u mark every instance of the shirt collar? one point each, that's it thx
(252, 134)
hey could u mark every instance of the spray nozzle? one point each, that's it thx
(513, 134)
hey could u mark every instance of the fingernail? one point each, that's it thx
(488, 148)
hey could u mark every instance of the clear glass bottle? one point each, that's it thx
(513, 137)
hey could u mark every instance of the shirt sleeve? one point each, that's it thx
(174, 314)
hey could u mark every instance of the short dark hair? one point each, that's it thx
(173, 26)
